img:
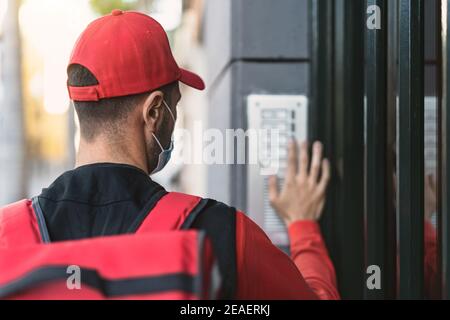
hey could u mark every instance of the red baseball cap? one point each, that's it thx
(129, 53)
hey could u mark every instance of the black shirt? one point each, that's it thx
(112, 199)
(98, 200)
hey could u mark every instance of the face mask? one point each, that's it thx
(165, 155)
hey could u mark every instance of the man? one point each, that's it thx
(124, 83)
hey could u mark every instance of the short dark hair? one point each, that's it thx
(105, 115)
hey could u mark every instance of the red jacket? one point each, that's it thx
(265, 272)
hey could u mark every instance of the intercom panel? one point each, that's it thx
(278, 118)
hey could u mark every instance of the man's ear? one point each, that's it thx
(153, 110)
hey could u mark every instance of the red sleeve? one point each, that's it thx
(430, 257)
(310, 254)
(264, 272)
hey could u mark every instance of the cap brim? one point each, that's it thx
(192, 80)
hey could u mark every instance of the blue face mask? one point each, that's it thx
(165, 155)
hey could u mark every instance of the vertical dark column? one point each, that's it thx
(348, 95)
(390, 272)
(411, 148)
(337, 119)
(321, 76)
(376, 147)
(445, 153)
(439, 94)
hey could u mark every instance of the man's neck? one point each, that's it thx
(92, 153)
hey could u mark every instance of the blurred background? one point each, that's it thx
(39, 132)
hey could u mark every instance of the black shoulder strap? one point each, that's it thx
(218, 221)
(45, 237)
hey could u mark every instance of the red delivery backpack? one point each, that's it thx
(163, 260)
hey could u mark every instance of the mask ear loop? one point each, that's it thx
(170, 111)
(173, 117)
(157, 140)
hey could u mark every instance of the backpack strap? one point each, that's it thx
(171, 212)
(176, 211)
(18, 225)
(218, 221)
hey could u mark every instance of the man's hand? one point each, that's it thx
(303, 194)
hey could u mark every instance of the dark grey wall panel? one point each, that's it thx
(270, 29)
(238, 30)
